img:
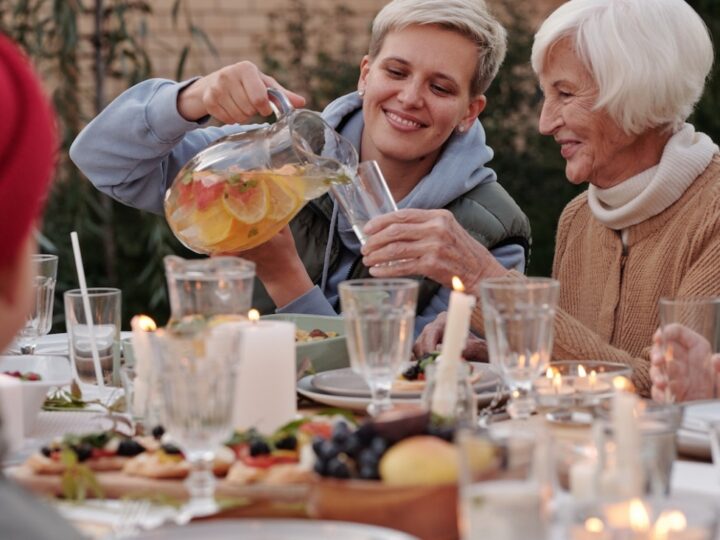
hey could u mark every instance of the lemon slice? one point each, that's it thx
(283, 200)
(213, 224)
(247, 201)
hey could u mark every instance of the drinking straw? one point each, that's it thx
(86, 307)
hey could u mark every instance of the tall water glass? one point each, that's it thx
(198, 388)
(519, 317)
(39, 320)
(365, 197)
(103, 329)
(690, 334)
(379, 320)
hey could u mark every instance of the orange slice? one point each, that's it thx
(283, 200)
(247, 201)
(212, 224)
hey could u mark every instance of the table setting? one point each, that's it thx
(226, 423)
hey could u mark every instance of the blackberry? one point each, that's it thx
(130, 447)
(287, 443)
(45, 451)
(171, 449)
(158, 432)
(258, 447)
(83, 451)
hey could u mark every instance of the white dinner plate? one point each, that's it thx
(693, 435)
(348, 383)
(53, 344)
(276, 529)
(355, 403)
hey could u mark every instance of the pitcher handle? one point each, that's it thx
(279, 103)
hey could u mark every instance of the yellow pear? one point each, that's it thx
(420, 460)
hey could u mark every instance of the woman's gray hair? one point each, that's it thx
(470, 18)
(650, 59)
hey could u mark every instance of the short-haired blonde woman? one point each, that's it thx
(620, 78)
(415, 112)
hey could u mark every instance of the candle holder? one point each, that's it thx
(571, 390)
(644, 519)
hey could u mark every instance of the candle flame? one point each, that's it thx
(581, 371)
(557, 382)
(457, 284)
(146, 323)
(670, 521)
(550, 372)
(593, 378)
(639, 519)
(594, 525)
(623, 384)
(254, 315)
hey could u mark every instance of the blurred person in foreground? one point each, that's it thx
(620, 78)
(420, 90)
(27, 152)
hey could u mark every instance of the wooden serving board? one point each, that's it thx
(116, 485)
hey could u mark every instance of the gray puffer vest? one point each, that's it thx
(487, 212)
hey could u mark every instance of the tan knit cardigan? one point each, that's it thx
(608, 308)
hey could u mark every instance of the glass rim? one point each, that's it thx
(43, 257)
(381, 283)
(506, 282)
(93, 291)
(230, 267)
(688, 300)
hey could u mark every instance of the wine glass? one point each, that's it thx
(198, 388)
(39, 320)
(519, 316)
(379, 320)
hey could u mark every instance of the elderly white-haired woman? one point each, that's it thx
(420, 91)
(620, 78)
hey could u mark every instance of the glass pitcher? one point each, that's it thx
(208, 287)
(242, 189)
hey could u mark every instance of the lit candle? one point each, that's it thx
(552, 384)
(582, 479)
(266, 376)
(590, 383)
(455, 334)
(592, 529)
(142, 351)
(626, 432)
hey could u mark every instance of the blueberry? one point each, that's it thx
(352, 445)
(130, 447)
(320, 467)
(337, 469)
(379, 445)
(365, 433)
(446, 433)
(369, 472)
(158, 432)
(170, 449)
(259, 447)
(287, 443)
(317, 445)
(328, 450)
(368, 458)
(412, 372)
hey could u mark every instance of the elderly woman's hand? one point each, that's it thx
(682, 366)
(431, 336)
(426, 242)
(232, 94)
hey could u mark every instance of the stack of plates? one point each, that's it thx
(345, 389)
(694, 433)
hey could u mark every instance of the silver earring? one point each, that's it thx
(361, 92)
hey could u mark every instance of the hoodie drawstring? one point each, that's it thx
(328, 247)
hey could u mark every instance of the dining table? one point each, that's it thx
(693, 476)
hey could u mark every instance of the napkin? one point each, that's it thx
(12, 428)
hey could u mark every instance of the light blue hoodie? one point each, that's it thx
(134, 148)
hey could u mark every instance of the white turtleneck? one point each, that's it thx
(640, 197)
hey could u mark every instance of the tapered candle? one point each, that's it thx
(142, 351)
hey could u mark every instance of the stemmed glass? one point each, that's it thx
(39, 319)
(198, 387)
(379, 320)
(519, 318)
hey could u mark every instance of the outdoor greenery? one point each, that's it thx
(123, 247)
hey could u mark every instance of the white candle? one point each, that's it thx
(626, 432)
(455, 334)
(12, 412)
(265, 388)
(582, 480)
(142, 352)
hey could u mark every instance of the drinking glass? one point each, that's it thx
(364, 198)
(379, 320)
(502, 485)
(519, 332)
(104, 330)
(690, 332)
(39, 319)
(198, 387)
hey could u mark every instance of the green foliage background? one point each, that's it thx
(123, 247)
